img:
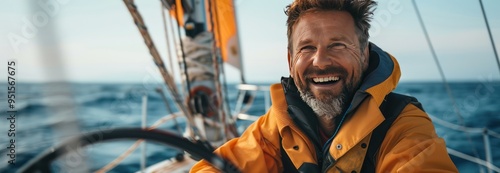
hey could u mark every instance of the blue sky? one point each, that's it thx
(98, 41)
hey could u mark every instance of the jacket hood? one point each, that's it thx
(381, 77)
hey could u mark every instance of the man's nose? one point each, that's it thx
(321, 59)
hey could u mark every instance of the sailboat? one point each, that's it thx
(206, 36)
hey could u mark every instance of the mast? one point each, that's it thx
(203, 50)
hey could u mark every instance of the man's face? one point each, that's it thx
(326, 61)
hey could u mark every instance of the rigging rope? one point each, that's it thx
(176, 42)
(171, 63)
(436, 60)
(183, 56)
(169, 110)
(169, 55)
(161, 66)
(215, 59)
(489, 33)
(448, 89)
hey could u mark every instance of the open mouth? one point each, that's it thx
(325, 80)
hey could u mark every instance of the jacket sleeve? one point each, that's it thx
(256, 150)
(412, 145)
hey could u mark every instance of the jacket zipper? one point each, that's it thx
(325, 146)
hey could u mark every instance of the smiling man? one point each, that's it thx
(336, 112)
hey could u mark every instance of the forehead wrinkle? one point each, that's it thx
(333, 36)
(338, 37)
(313, 29)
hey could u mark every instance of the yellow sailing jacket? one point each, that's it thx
(410, 145)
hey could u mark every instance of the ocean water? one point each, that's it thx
(43, 111)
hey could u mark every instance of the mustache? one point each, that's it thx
(328, 70)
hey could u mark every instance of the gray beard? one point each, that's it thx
(326, 110)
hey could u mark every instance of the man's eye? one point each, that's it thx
(338, 46)
(307, 49)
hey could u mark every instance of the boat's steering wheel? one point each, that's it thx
(42, 162)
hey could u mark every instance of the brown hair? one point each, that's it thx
(360, 10)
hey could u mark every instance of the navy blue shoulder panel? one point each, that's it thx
(391, 108)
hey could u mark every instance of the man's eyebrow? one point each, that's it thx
(334, 38)
(304, 41)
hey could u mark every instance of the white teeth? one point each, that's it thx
(325, 79)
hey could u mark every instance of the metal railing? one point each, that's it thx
(486, 133)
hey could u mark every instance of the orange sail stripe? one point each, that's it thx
(224, 20)
(178, 13)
